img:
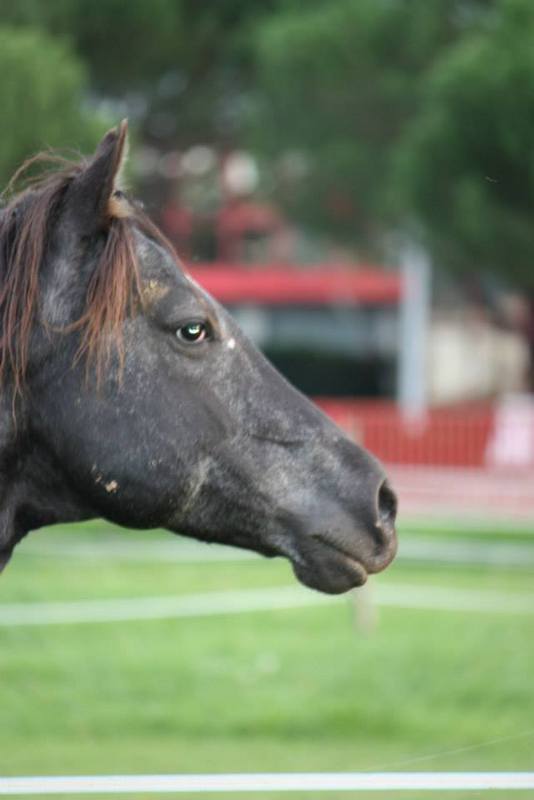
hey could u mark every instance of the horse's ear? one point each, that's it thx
(91, 192)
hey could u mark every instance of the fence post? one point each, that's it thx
(414, 331)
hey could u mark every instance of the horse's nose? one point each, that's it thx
(386, 536)
(387, 508)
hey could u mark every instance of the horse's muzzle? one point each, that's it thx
(339, 550)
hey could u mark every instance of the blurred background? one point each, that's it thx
(354, 180)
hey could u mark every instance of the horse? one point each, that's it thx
(128, 393)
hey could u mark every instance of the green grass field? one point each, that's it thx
(305, 689)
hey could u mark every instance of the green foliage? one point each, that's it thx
(466, 162)
(340, 81)
(129, 43)
(123, 42)
(41, 85)
(179, 64)
(412, 114)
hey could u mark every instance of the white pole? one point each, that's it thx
(414, 331)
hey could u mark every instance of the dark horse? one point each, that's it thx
(128, 393)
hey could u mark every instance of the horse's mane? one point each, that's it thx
(26, 225)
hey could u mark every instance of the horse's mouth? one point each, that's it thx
(325, 576)
(326, 566)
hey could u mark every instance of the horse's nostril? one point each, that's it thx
(387, 507)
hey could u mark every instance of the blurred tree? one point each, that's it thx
(177, 65)
(466, 161)
(339, 83)
(411, 115)
(124, 43)
(41, 85)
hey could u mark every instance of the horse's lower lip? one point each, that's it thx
(329, 570)
(358, 570)
(350, 560)
(357, 567)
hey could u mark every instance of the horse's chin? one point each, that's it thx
(329, 575)
(319, 564)
(326, 564)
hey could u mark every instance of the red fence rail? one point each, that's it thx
(459, 436)
(474, 461)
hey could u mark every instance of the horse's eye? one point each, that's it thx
(193, 332)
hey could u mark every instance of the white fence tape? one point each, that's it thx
(270, 782)
(151, 608)
(248, 600)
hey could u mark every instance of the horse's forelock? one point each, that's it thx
(26, 225)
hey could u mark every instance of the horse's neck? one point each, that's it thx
(33, 491)
(11, 449)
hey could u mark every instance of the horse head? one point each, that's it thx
(129, 393)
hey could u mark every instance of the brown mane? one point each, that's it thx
(26, 224)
